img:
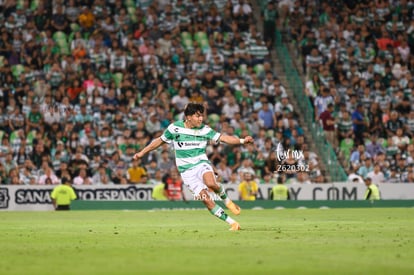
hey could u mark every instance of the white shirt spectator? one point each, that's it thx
(376, 177)
(355, 178)
(180, 100)
(399, 141)
(48, 175)
(242, 8)
(230, 108)
(82, 179)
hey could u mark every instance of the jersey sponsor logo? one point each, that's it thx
(177, 137)
(4, 198)
(191, 143)
(181, 144)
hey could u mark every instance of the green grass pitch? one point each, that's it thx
(288, 241)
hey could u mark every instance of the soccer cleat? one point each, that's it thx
(234, 208)
(235, 226)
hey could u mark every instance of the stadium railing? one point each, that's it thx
(325, 150)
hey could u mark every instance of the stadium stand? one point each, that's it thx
(357, 55)
(85, 84)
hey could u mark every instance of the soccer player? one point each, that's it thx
(189, 138)
(248, 188)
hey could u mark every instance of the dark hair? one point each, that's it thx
(193, 108)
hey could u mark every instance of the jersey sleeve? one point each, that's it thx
(167, 136)
(212, 135)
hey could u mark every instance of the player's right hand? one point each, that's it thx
(137, 156)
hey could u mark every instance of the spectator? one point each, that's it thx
(353, 177)
(328, 124)
(393, 124)
(48, 177)
(400, 140)
(321, 102)
(248, 188)
(267, 117)
(357, 154)
(101, 177)
(374, 148)
(376, 175)
(366, 167)
(137, 173)
(173, 189)
(82, 178)
(359, 124)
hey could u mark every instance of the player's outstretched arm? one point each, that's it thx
(155, 143)
(235, 140)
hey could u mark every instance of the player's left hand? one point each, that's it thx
(248, 139)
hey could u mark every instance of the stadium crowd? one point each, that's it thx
(85, 84)
(358, 62)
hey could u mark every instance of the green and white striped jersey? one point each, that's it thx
(189, 144)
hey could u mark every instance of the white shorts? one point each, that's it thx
(193, 178)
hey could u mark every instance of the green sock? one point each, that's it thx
(219, 212)
(222, 193)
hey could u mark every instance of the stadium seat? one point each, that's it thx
(219, 83)
(59, 36)
(187, 41)
(30, 137)
(199, 36)
(17, 70)
(129, 3)
(20, 4)
(14, 135)
(131, 13)
(117, 78)
(205, 46)
(243, 69)
(213, 119)
(74, 27)
(258, 69)
(34, 4)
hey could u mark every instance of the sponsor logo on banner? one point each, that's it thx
(4, 198)
(42, 196)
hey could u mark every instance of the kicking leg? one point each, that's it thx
(217, 211)
(210, 180)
